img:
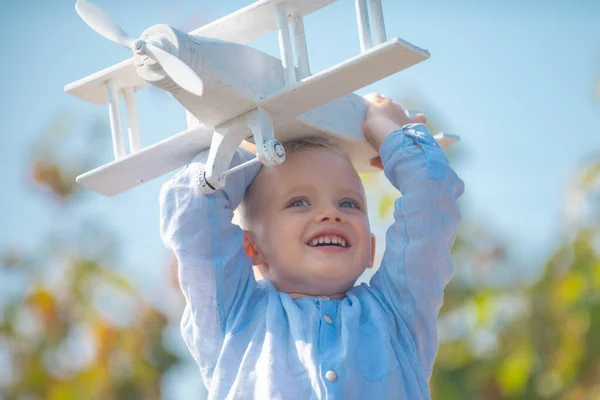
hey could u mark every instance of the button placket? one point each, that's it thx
(328, 339)
(327, 310)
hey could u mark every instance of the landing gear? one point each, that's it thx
(226, 140)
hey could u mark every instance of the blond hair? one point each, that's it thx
(292, 146)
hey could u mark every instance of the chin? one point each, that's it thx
(337, 273)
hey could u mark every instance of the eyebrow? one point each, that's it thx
(359, 194)
(288, 192)
(305, 188)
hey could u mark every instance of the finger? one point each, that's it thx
(374, 97)
(418, 119)
(376, 162)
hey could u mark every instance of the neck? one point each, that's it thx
(295, 295)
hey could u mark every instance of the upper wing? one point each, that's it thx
(318, 89)
(242, 26)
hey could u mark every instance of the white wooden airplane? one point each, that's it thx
(233, 92)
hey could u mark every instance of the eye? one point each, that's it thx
(349, 203)
(299, 202)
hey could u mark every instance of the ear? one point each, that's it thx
(373, 247)
(251, 249)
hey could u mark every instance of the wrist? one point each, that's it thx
(377, 129)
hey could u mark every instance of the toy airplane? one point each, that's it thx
(232, 92)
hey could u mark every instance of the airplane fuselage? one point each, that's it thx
(236, 77)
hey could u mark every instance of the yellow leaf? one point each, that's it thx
(483, 306)
(570, 288)
(44, 303)
(368, 179)
(386, 204)
(514, 372)
(61, 391)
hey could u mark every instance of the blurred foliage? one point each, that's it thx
(539, 341)
(72, 327)
(54, 164)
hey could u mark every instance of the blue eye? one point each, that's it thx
(298, 203)
(349, 204)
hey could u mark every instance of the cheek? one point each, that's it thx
(285, 233)
(291, 228)
(365, 236)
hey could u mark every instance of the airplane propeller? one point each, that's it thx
(100, 21)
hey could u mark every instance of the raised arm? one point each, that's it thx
(416, 265)
(214, 272)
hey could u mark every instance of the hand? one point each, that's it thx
(383, 117)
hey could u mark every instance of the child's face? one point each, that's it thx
(309, 228)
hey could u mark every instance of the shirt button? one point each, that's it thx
(328, 319)
(331, 376)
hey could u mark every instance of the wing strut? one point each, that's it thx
(133, 127)
(364, 28)
(116, 124)
(377, 21)
(285, 45)
(300, 45)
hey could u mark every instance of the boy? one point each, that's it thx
(305, 332)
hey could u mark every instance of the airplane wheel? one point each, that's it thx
(203, 184)
(273, 152)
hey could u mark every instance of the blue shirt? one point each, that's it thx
(379, 342)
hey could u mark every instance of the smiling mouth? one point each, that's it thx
(329, 241)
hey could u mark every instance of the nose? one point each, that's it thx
(329, 213)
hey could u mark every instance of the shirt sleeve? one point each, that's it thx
(416, 265)
(215, 274)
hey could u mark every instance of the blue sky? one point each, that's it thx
(515, 79)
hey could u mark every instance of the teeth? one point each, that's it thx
(328, 240)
